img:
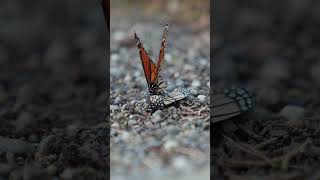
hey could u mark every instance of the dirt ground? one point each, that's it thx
(53, 90)
(271, 48)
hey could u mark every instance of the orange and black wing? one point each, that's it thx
(162, 47)
(149, 68)
(106, 10)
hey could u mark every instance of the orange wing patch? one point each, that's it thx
(149, 68)
(151, 71)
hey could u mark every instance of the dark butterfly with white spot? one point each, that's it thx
(157, 98)
(230, 103)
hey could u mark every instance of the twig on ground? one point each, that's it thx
(250, 150)
(300, 149)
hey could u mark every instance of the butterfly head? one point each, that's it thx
(153, 89)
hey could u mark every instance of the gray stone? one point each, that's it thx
(202, 98)
(15, 146)
(291, 112)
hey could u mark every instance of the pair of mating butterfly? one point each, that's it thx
(225, 105)
(157, 97)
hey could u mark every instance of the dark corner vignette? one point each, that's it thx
(54, 57)
(267, 125)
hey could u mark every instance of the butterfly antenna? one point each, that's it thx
(139, 44)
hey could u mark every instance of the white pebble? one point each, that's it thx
(196, 83)
(170, 144)
(202, 98)
(119, 35)
(115, 57)
(125, 136)
(180, 163)
(113, 107)
(115, 125)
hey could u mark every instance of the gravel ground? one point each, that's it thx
(272, 49)
(171, 142)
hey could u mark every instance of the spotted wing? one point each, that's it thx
(149, 68)
(231, 103)
(156, 102)
(175, 96)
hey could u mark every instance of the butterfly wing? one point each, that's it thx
(224, 108)
(175, 96)
(106, 10)
(231, 103)
(149, 68)
(156, 102)
(162, 47)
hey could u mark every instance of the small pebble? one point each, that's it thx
(68, 174)
(292, 113)
(44, 145)
(202, 98)
(170, 144)
(24, 122)
(51, 170)
(181, 163)
(173, 130)
(156, 116)
(115, 125)
(196, 83)
(15, 146)
(125, 136)
(275, 70)
(114, 107)
(33, 138)
(117, 100)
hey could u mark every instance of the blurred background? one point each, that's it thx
(53, 57)
(271, 48)
(183, 11)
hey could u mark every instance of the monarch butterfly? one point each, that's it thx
(152, 71)
(230, 103)
(157, 98)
